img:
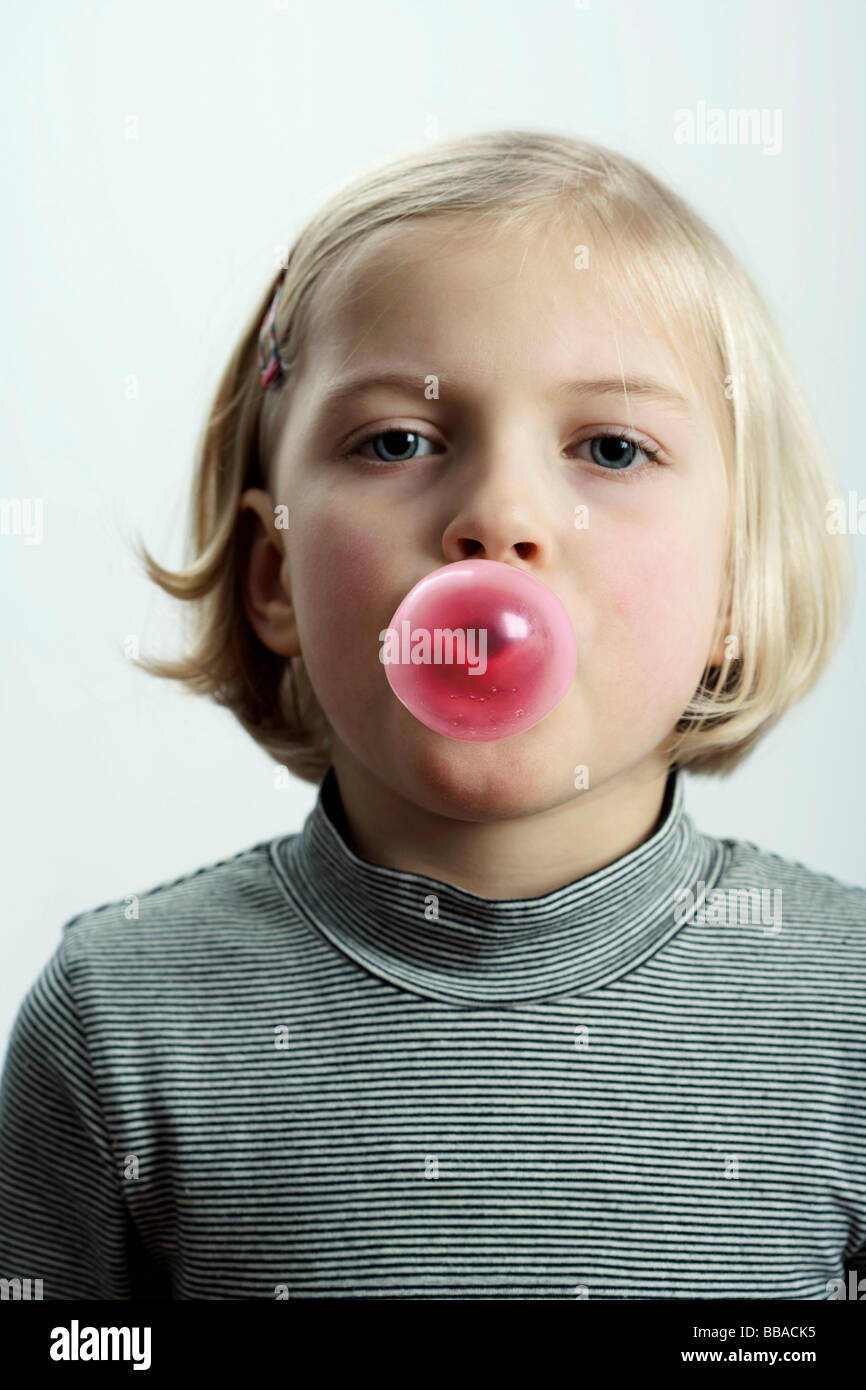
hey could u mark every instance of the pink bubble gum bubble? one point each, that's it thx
(508, 661)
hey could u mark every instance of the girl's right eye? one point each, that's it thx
(395, 449)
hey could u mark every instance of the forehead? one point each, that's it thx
(493, 307)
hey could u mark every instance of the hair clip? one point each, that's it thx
(269, 356)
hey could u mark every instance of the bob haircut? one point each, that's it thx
(788, 580)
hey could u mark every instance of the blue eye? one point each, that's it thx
(615, 451)
(394, 447)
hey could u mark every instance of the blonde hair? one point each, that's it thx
(788, 581)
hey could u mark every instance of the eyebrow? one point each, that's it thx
(641, 387)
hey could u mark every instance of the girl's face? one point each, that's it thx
(529, 365)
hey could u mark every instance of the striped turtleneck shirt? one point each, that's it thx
(295, 1073)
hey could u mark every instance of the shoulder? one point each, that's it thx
(218, 905)
(815, 924)
(808, 891)
(139, 971)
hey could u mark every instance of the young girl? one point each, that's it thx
(499, 1022)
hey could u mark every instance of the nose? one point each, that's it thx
(491, 527)
(468, 548)
(503, 512)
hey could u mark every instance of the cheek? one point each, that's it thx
(343, 594)
(655, 598)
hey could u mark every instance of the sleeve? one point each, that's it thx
(63, 1216)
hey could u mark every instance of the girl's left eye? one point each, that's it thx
(615, 453)
(617, 449)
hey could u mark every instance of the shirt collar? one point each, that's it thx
(437, 940)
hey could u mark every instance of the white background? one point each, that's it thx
(144, 257)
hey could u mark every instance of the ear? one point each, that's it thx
(263, 572)
(720, 636)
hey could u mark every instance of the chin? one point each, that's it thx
(496, 780)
